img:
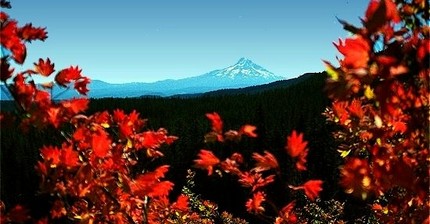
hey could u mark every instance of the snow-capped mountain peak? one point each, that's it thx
(245, 68)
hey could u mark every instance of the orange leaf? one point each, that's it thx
(65, 76)
(380, 12)
(75, 106)
(295, 144)
(312, 188)
(44, 68)
(255, 180)
(149, 184)
(119, 115)
(29, 33)
(100, 143)
(207, 160)
(69, 157)
(356, 109)
(51, 154)
(254, 204)
(265, 162)
(301, 161)
(216, 122)
(161, 171)
(248, 130)
(286, 215)
(355, 52)
(181, 203)
(10, 40)
(149, 139)
(399, 126)
(161, 189)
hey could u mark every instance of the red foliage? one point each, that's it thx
(312, 188)
(44, 68)
(381, 103)
(355, 52)
(207, 160)
(295, 144)
(254, 204)
(297, 148)
(265, 162)
(260, 175)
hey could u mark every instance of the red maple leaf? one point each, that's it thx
(265, 162)
(170, 139)
(312, 188)
(181, 203)
(295, 144)
(356, 109)
(379, 12)
(161, 171)
(355, 51)
(339, 109)
(51, 154)
(216, 122)
(161, 189)
(148, 184)
(75, 106)
(29, 33)
(231, 165)
(43, 99)
(149, 139)
(65, 76)
(207, 160)
(100, 143)
(399, 126)
(69, 157)
(301, 161)
(53, 116)
(248, 130)
(81, 136)
(286, 215)
(44, 68)
(125, 129)
(10, 40)
(254, 204)
(255, 180)
(118, 116)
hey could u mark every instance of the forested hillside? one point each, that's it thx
(275, 111)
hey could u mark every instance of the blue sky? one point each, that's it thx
(146, 41)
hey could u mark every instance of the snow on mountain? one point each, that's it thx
(245, 68)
